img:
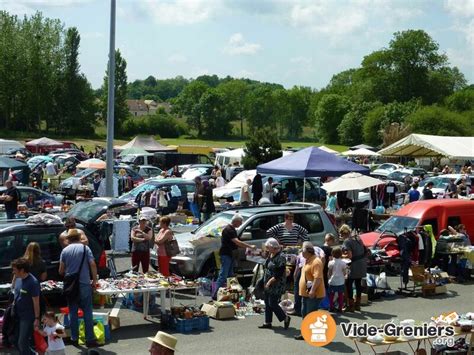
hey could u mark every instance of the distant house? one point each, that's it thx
(146, 107)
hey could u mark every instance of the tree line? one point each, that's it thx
(403, 88)
(41, 86)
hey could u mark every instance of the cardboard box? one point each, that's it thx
(114, 319)
(178, 218)
(364, 299)
(441, 289)
(217, 311)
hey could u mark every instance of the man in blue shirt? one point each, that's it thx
(414, 194)
(70, 262)
(27, 309)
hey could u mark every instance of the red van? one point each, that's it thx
(439, 213)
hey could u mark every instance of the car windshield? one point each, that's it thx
(397, 224)
(215, 225)
(149, 186)
(439, 182)
(193, 172)
(128, 159)
(85, 211)
(84, 172)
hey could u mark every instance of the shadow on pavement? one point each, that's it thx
(338, 347)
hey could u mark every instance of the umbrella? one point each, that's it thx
(92, 164)
(351, 181)
(134, 150)
(361, 152)
(44, 142)
(8, 163)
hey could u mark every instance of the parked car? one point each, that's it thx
(415, 171)
(384, 169)
(39, 195)
(441, 182)
(14, 151)
(197, 248)
(87, 175)
(282, 184)
(79, 154)
(15, 237)
(177, 187)
(148, 171)
(198, 170)
(438, 213)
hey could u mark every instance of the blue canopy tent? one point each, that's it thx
(311, 162)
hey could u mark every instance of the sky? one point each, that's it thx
(290, 42)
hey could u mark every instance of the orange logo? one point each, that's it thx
(318, 328)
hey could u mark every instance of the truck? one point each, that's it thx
(165, 160)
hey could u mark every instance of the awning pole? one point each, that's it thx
(304, 188)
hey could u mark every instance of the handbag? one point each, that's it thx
(172, 247)
(40, 343)
(259, 289)
(71, 288)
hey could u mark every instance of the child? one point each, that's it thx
(55, 332)
(337, 271)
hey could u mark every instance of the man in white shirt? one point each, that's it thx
(268, 189)
(50, 169)
(245, 197)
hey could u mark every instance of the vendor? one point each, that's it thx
(141, 236)
(460, 231)
(165, 235)
(10, 198)
(30, 202)
(70, 223)
(288, 233)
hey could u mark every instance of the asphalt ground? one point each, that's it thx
(243, 336)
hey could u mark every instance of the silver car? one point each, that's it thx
(199, 248)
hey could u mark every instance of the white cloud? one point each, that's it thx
(180, 12)
(93, 35)
(177, 58)
(301, 60)
(237, 45)
(461, 8)
(244, 74)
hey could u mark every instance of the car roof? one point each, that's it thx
(161, 181)
(418, 208)
(291, 207)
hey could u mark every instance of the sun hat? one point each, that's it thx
(165, 339)
(143, 218)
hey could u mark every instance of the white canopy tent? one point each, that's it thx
(422, 145)
(361, 152)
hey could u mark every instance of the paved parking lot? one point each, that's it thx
(243, 336)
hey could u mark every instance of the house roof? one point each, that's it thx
(137, 105)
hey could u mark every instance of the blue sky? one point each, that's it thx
(291, 42)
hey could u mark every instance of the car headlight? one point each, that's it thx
(186, 251)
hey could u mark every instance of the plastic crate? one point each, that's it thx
(188, 325)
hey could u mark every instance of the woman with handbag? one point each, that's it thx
(165, 235)
(274, 279)
(141, 236)
(353, 249)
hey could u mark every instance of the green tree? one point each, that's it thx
(331, 110)
(260, 108)
(350, 128)
(235, 94)
(440, 121)
(462, 100)
(121, 109)
(300, 100)
(187, 104)
(263, 146)
(212, 110)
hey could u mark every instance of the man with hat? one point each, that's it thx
(163, 344)
(141, 236)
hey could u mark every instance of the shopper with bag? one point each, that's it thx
(141, 236)
(311, 284)
(26, 305)
(77, 265)
(167, 246)
(274, 279)
(353, 249)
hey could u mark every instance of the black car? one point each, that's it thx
(39, 195)
(15, 237)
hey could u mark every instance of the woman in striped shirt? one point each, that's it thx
(288, 233)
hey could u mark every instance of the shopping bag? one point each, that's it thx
(324, 303)
(234, 284)
(99, 332)
(223, 294)
(40, 343)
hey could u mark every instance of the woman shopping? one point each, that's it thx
(164, 236)
(274, 282)
(353, 249)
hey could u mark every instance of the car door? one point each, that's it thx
(257, 228)
(9, 251)
(313, 223)
(47, 238)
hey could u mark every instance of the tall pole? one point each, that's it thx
(109, 172)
